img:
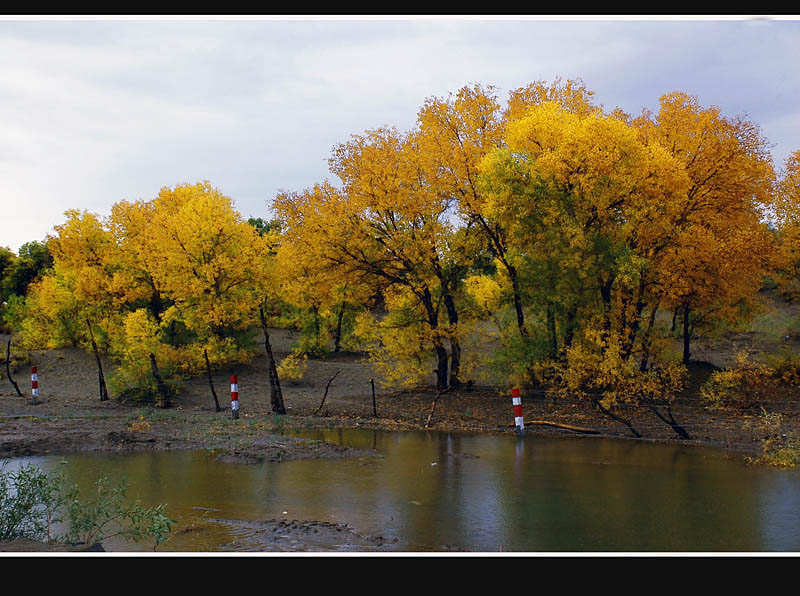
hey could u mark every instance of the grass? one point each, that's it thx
(775, 324)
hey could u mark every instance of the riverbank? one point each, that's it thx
(68, 416)
(64, 422)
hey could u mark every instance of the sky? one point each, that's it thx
(95, 110)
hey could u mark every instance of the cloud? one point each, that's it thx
(95, 111)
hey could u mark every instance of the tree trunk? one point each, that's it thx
(8, 369)
(605, 294)
(337, 333)
(211, 381)
(275, 394)
(438, 348)
(156, 304)
(629, 335)
(163, 400)
(512, 273)
(646, 339)
(100, 378)
(569, 326)
(441, 365)
(686, 334)
(455, 346)
(551, 331)
(315, 311)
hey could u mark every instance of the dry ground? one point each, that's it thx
(69, 416)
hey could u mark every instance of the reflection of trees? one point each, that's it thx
(607, 496)
(525, 495)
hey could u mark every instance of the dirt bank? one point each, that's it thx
(70, 418)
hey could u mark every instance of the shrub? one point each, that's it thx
(33, 503)
(778, 449)
(293, 366)
(747, 384)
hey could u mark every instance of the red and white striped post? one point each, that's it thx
(234, 397)
(34, 383)
(516, 400)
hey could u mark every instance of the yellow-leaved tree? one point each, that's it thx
(387, 226)
(178, 277)
(586, 202)
(719, 244)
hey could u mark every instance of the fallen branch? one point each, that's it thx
(433, 407)
(577, 429)
(613, 416)
(326, 392)
(669, 419)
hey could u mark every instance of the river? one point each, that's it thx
(430, 491)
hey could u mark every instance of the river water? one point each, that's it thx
(433, 491)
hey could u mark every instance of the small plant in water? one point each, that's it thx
(33, 502)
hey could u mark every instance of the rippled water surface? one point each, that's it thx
(441, 491)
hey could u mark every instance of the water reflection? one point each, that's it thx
(435, 491)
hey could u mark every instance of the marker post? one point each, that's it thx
(34, 384)
(516, 400)
(234, 397)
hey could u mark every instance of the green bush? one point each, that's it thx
(33, 503)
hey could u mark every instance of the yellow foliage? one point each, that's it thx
(398, 351)
(293, 366)
(52, 312)
(596, 368)
(140, 425)
(486, 293)
(206, 258)
(747, 383)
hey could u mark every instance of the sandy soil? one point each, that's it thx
(69, 416)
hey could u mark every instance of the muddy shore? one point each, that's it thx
(69, 417)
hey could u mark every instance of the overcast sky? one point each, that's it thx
(96, 111)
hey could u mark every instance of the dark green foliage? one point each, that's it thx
(263, 226)
(33, 259)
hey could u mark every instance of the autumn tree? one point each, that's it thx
(386, 224)
(786, 216)
(324, 297)
(586, 198)
(18, 272)
(719, 247)
(177, 277)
